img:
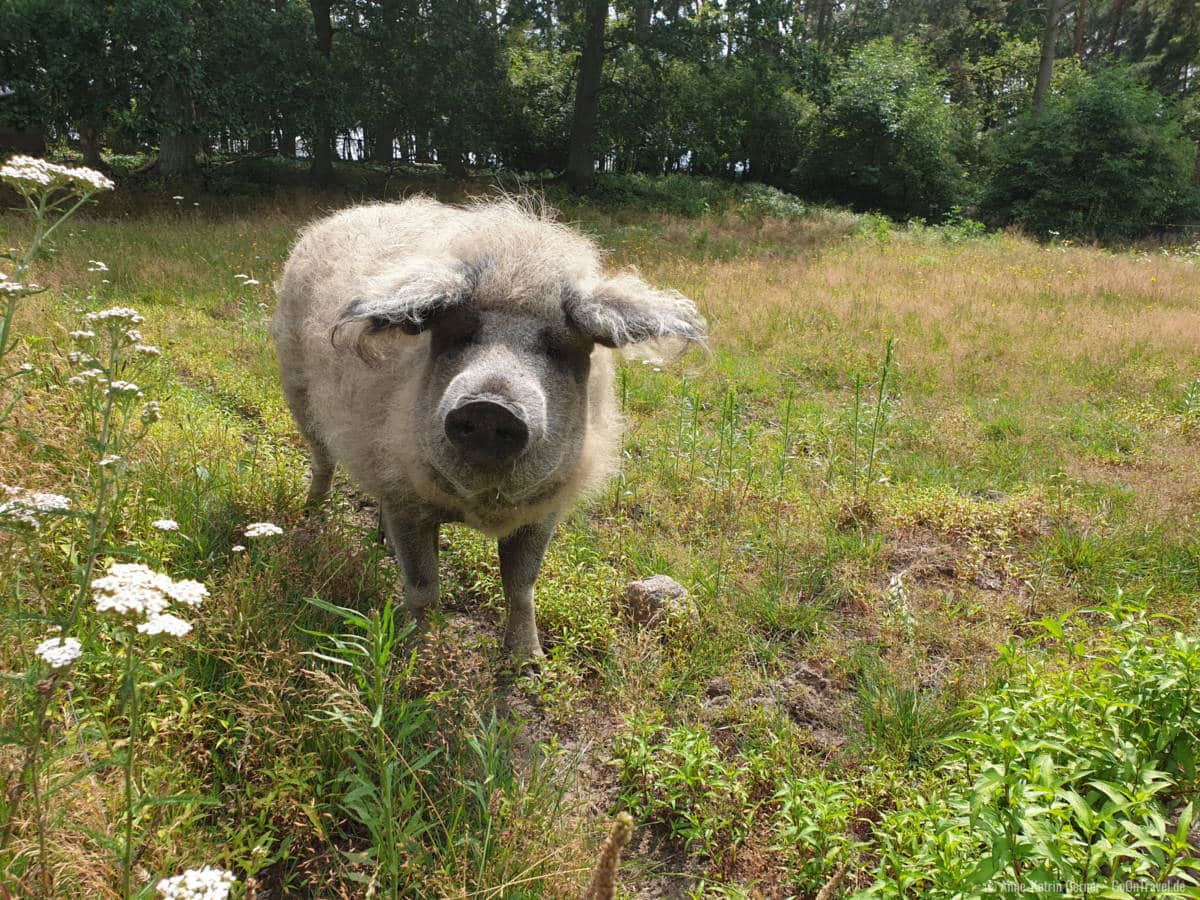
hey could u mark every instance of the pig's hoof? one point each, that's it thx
(523, 648)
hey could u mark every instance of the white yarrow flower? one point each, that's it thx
(25, 172)
(82, 334)
(188, 592)
(165, 524)
(262, 529)
(165, 623)
(251, 281)
(111, 459)
(25, 506)
(238, 548)
(147, 350)
(121, 314)
(209, 883)
(123, 389)
(151, 412)
(59, 652)
(95, 265)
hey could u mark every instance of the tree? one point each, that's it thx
(323, 131)
(1054, 10)
(1106, 159)
(581, 163)
(887, 139)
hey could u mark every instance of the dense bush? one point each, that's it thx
(887, 138)
(1104, 159)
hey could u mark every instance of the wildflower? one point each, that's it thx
(262, 529)
(209, 883)
(147, 350)
(82, 334)
(177, 197)
(238, 548)
(151, 412)
(26, 367)
(26, 172)
(11, 287)
(240, 275)
(86, 374)
(116, 314)
(131, 590)
(59, 652)
(95, 265)
(133, 335)
(165, 524)
(188, 592)
(123, 389)
(165, 623)
(24, 506)
(250, 281)
(109, 460)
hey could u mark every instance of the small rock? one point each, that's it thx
(654, 599)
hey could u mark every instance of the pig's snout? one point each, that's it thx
(488, 433)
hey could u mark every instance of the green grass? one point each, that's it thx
(1037, 454)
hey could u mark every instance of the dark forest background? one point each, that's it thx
(1081, 117)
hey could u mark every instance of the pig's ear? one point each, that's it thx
(623, 310)
(408, 297)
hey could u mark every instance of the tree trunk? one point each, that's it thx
(322, 149)
(642, 12)
(287, 140)
(1049, 39)
(1080, 16)
(89, 143)
(580, 159)
(385, 136)
(1115, 31)
(453, 162)
(178, 142)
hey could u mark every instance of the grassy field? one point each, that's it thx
(921, 658)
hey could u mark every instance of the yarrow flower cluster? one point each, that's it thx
(25, 506)
(59, 652)
(135, 591)
(95, 265)
(165, 524)
(209, 883)
(87, 374)
(151, 412)
(27, 173)
(262, 529)
(124, 389)
(119, 314)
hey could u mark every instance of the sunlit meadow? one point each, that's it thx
(930, 491)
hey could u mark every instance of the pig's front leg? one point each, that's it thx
(413, 534)
(520, 561)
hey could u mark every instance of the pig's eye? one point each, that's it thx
(457, 334)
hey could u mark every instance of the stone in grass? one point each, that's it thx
(654, 600)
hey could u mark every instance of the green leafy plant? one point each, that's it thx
(381, 788)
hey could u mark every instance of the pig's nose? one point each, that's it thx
(487, 433)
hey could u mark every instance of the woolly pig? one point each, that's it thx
(457, 362)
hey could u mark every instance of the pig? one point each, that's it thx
(457, 361)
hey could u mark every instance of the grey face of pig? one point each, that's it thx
(506, 396)
(505, 389)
